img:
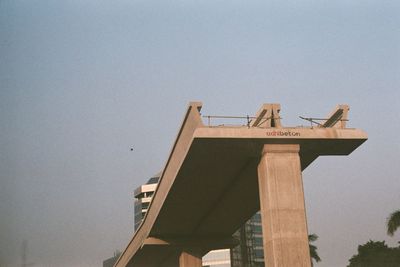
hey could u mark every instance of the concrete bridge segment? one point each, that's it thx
(215, 179)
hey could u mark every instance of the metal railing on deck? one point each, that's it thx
(315, 121)
(246, 120)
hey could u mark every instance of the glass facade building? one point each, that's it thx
(250, 251)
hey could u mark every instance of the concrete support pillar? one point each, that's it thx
(283, 215)
(187, 259)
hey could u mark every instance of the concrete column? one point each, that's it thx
(187, 259)
(283, 215)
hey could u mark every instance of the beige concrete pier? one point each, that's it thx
(189, 260)
(285, 236)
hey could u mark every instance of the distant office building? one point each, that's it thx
(249, 252)
(143, 195)
(217, 258)
(111, 261)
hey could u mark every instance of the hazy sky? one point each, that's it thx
(81, 82)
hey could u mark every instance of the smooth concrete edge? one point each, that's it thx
(280, 133)
(191, 121)
(198, 242)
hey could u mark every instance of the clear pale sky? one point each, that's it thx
(81, 82)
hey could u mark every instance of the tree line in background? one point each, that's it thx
(313, 249)
(377, 253)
